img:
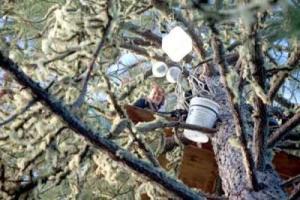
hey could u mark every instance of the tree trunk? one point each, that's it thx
(230, 161)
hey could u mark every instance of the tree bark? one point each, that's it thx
(230, 161)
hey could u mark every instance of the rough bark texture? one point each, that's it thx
(230, 162)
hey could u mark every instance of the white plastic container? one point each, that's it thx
(173, 74)
(159, 69)
(202, 112)
(177, 44)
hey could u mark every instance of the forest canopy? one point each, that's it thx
(70, 67)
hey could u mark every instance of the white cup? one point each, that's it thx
(202, 112)
(159, 69)
(173, 74)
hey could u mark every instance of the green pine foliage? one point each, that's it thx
(54, 41)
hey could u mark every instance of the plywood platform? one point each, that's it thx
(199, 168)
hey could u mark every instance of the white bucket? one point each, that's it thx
(159, 69)
(173, 74)
(202, 112)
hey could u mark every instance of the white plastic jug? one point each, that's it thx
(177, 44)
(202, 112)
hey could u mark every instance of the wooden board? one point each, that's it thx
(138, 115)
(199, 168)
(286, 165)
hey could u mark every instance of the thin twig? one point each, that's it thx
(291, 181)
(284, 102)
(280, 76)
(144, 52)
(23, 110)
(272, 60)
(40, 153)
(151, 37)
(60, 56)
(289, 146)
(296, 193)
(2, 177)
(198, 44)
(272, 71)
(177, 124)
(148, 34)
(139, 12)
(229, 57)
(294, 136)
(80, 100)
(63, 173)
(17, 192)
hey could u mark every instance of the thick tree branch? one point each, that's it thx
(283, 130)
(295, 57)
(111, 148)
(279, 79)
(260, 129)
(138, 42)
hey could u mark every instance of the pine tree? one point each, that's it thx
(65, 132)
